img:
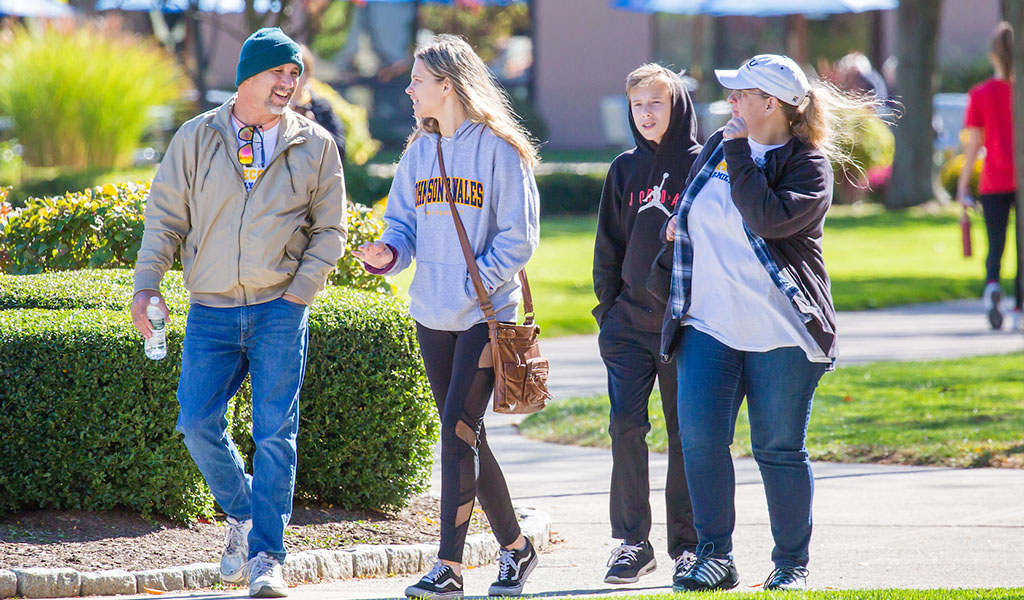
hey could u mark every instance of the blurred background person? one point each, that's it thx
(989, 122)
(308, 104)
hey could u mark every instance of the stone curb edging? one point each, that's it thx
(311, 566)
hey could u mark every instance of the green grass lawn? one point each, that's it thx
(876, 259)
(892, 594)
(963, 413)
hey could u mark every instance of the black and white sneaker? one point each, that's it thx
(787, 578)
(630, 562)
(514, 566)
(708, 573)
(441, 582)
(993, 295)
(683, 563)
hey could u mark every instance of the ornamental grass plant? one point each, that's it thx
(81, 96)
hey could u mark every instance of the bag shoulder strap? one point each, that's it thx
(467, 253)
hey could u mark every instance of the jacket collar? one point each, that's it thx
(292, 130)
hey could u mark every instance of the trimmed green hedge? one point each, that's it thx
(102, 227)
(87, 422)
(570, 193)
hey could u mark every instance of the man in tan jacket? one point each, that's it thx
(254, 197)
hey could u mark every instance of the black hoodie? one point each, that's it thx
(640, 192)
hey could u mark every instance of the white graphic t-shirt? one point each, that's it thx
(734, 299)
(263, 144)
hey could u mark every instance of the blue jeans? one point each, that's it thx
(268, 341)
(779, 386)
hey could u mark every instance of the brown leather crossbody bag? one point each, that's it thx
(520, 372)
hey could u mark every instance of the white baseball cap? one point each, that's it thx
(773, 74)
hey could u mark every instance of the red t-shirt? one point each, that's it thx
(989, 108)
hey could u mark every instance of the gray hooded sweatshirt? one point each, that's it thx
(497, 198)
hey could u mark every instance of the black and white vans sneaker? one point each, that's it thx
(630, 562)
(683, 564)
(787, 578)
(708, 573)
(514, 566)
(441, 582)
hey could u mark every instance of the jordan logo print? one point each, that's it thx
(652, 199)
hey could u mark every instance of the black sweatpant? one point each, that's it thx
(632, 360)
(996, 208)
(461, 391)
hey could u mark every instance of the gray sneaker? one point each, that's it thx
(266, 578)
(234, 559)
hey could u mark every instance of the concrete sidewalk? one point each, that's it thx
(876, 526)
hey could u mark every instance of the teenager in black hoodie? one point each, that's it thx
(640, 193)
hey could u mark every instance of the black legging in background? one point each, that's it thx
(461, 391)
(997, 217)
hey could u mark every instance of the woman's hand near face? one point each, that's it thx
(376, 254)
(735, 128)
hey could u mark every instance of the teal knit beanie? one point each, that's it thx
(267, 48)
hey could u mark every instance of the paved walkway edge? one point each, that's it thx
(311, 566)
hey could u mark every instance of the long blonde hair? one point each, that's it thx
(451, 57)
(828, 120)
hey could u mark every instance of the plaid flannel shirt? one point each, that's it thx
(682, 263)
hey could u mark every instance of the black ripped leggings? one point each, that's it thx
(461, 391)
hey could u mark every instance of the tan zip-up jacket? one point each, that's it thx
(238, 248)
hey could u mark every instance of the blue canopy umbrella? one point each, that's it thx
(34, 8)
(177, 6)
(468, 3)
(754, 8)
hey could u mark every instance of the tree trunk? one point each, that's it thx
(796, 38)
(1014, 13)
(917, 24)
(199, 54)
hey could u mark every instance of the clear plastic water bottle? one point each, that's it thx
(156, 344)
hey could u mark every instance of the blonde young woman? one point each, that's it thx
(750, 308)
(489, 159)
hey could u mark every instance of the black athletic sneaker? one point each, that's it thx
(514, 566)
(708, 573)
(787, 578)
(441, 582)
(630, 562)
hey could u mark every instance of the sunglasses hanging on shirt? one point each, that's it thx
(246, 153)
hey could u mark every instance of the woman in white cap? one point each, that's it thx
(750, 310)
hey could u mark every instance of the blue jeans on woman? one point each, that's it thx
(779, 386)
(268, 341)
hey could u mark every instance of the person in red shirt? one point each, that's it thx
(989, 121)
